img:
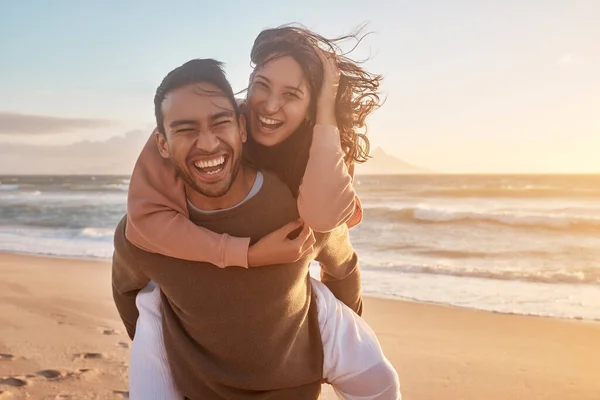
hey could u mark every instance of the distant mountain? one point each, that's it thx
(382, 163)
(117, 155)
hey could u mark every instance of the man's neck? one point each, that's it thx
(238, 191)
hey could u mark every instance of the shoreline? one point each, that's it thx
(371, 296)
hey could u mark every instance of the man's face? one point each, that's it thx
(203, 138)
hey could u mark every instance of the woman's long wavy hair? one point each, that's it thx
(357, 97)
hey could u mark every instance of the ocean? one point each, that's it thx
(513, 244)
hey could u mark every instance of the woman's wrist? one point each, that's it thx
(326, 116)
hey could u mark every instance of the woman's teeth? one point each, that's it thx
(212, 166)
(269, 123)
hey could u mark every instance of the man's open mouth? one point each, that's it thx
(268, 124)
(212, 166)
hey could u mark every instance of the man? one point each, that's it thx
(231, 333)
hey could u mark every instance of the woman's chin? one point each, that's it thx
(267, 141)
(269, 137)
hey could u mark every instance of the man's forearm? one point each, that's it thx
(339, 267)
(346, 288)
(127, 279)
(127, 309)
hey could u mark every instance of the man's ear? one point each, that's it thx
(243, 130)
(161, 143)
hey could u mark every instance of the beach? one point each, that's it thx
(61, 338)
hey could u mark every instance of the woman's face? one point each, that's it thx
(278, 100)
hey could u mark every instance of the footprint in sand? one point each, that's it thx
(108, 331)
(52, 373)
(59, 318)
(90, 356)
(88, 372)
(123, 395)
(6, 357)
(14, 382)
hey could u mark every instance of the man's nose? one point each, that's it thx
(207, 141)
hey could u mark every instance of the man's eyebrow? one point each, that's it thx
(296, 89)
(180, 122)
(222, 114)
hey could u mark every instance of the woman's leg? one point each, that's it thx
(354, 363)
(149, 371)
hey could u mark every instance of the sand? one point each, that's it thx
(61, 338)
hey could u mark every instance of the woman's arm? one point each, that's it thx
(158, 218)
(158, 221)
(327, 198)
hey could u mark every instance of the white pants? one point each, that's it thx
(354, 363)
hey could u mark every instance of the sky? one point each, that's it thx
(470, 86)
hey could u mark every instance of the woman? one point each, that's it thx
(293, 106)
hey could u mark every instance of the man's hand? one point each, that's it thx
(282, 246)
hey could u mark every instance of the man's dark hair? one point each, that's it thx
(192, 72)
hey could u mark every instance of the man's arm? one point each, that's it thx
(339, 267)
(127, 279)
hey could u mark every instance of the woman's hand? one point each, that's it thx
(281, 246)
(329, 89)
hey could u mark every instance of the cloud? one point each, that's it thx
(116, 155)
(15, 124)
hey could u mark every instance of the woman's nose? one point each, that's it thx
(272, 105)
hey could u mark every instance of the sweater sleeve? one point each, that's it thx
(326, 197)
(158, 217)
(340, 271)
(357, 216)
(127, 281)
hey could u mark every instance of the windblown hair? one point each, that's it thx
(357, 97)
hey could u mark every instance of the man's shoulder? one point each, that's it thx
(122, 245)
(271, 177)
(273, 206)
(273, 185)
(120, 237)
(334, 241)
(340, 233)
